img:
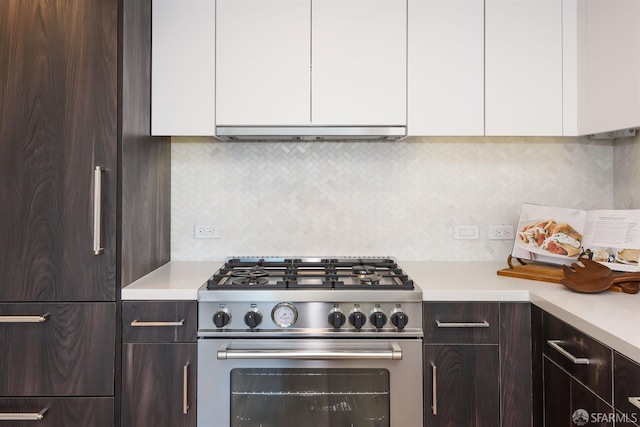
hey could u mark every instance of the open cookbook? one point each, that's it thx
(560, 235)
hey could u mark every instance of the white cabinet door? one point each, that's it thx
(263, 54)
(523, 66)
(183, 67)
(359, 62)
(446, 67)
(612, 65)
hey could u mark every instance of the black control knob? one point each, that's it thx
(337, 319)
(253, 319)
(357, 319)
(221, 319)
(399, 319)
(378, 319)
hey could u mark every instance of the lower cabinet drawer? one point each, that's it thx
(581, 356)
(57, 349)
(461, 322)
(57, 412)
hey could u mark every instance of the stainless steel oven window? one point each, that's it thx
(309, 397)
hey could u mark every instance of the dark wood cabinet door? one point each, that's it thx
(626, 386)
(466, 386)
(159, 321)
(59, 412)
(565, 399)
(57, 349)
(157, 378)
(58, 120)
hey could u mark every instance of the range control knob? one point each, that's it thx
(357, 319)
(337, 318)
(253, 318)
(221, 318)
(378, 319)
(399, 319)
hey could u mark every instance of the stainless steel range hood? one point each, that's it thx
(310, 133)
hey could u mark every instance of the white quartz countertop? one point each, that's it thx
(611, 317)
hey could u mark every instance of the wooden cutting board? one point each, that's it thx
(534, 271)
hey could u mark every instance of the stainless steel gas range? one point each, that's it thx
(319, 342)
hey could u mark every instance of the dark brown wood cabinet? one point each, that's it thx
(477, 364)
(159, 363)
(461, 364)
(626, 382)
(74, 95)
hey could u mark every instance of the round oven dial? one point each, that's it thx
(222, 318)
(336, 318)
(284, 314)
(357, 319)
(378, 319)
(399, 319)
(253, 318)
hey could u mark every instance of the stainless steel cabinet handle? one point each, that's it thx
(483, 324)
(185, 388)
(97, 210)
(34, 416)
(150, 324)
(635, 401)
(394, 353)
(434, 389)
(24, 319)
(576, 360)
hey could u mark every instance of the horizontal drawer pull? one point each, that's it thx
(149, 324)
(483, 324)
(635, 401)
(24, 319)
(576, 360)
(34, 416)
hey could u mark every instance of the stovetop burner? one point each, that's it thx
(310, 273)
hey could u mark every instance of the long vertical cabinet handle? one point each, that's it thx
(434, 389)
(97, 210)
(185, 388)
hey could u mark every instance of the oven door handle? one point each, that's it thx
(394, 353)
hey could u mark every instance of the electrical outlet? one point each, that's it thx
(501, 232)
(206, 231)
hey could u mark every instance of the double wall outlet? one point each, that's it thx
(501, 232)
(206, 231)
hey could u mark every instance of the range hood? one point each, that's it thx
(310, 133)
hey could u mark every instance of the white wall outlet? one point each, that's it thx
(466, 232)
(501, 232)
(206, 231)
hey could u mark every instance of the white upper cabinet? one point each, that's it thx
(612, 74)
(297, 62)
(183, 67)
(523, 66)
(263, 55)
(359, 62)
(446, 67)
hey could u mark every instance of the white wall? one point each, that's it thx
(399, 199)
(627, 173)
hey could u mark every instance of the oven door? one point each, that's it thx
(309, 382)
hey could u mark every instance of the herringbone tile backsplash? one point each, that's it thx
(400, 199)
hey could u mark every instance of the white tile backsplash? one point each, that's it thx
(372, 198)
(627, 173)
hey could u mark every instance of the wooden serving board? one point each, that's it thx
(533, 271)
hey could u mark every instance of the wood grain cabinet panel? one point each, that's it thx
(60, 412)
(70, 353)
(626, 386)
(160, 321)
(58, 120)
(464, 322)
(159, 385)
(461, 385)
